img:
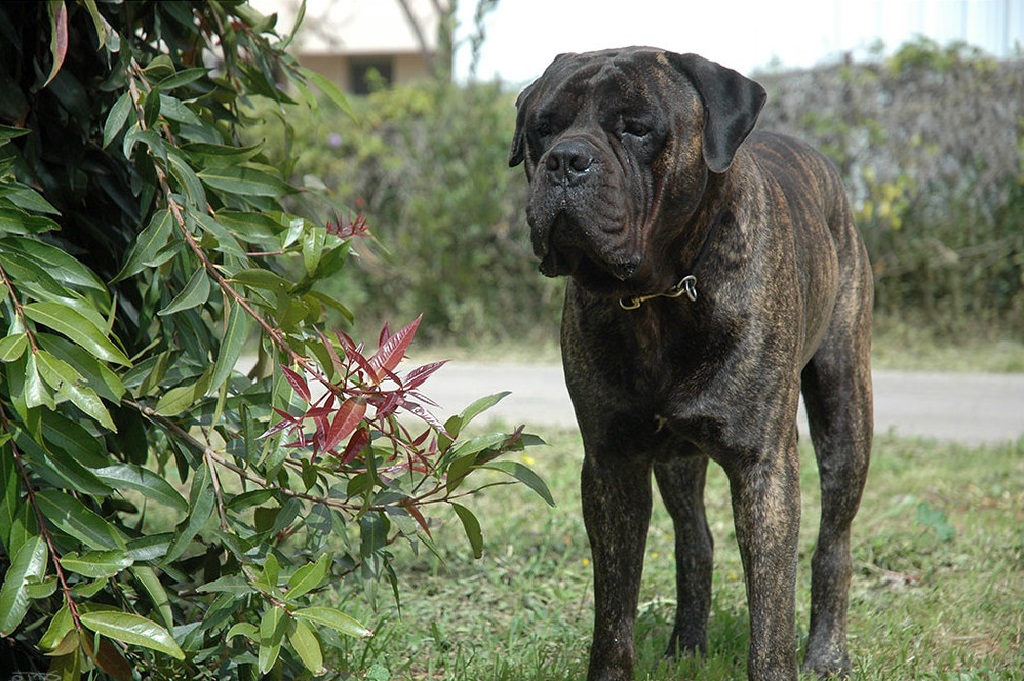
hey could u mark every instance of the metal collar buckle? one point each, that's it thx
(687, 285)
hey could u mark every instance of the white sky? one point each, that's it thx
(522, 36)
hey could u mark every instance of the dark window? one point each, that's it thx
(367, 74)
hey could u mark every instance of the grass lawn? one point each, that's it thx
(938, 587)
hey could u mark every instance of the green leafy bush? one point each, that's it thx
(163, 513)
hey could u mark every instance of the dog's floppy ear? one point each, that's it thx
(518, 152)
(732, 103)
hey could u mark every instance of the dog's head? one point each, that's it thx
(617, 147)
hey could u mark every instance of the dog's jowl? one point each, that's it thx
(713, 275)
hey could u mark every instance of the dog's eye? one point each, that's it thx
(544, 128)
(635, 129)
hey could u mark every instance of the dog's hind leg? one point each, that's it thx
(836, 385)
(681, 483)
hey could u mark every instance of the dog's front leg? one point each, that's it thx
(617, 510)
(766, 507)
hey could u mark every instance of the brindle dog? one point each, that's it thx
(713, 275)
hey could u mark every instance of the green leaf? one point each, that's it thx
(524, 475)
(271, 571)
(183, 77)
(187, 179)
(457, 471)
(31, 277)
(219, 155)
(262, 279)
(176, 110)
(42, 589)
(28, 563)
(149, 138)
(98, 23)
(313, 247)
(272, 630)
(96, 563)
(328, 88)
(373, 533)
(935, 519)
(69, 471)
(307, 646)
(10, 499)
(231, 347)
(59, 264)
(194, 294)
(60, 624)
(132, 629)
(9, 133)
(117, 117)
(150, 582)
(28, 199)
(248, 499)
(243, 629)
(71, 516)
(245, 181)
(227, 243)
(481, 405)
(182, 397)
(12, 347)
(472, 527)
(201, 500)
(16, 221)
(36, 392)
(145, 252)
(153, 486)
(66, 380)
(308, 577)
(97, 375)
(334, 619)
(79, 329)
(71, 438)
(235, 584)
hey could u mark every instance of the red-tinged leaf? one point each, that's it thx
(58, 37)
(410, 506)
(354, 353)
(347, 344)
(345, 422)
(430, 419)
(391, 402)
(321, 416)
(417, 376)
(393, 349)
(420, 439)
(298, 383)
(320, 412)
(385, 334)
(287, 421)
(355, 445)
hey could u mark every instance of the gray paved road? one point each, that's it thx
(970, 408)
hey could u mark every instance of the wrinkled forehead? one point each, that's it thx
(630, 78)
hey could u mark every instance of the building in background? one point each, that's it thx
(359, 44)
(403, 40)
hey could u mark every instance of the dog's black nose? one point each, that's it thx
(569, 161)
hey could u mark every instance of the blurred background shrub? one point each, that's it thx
(427, 164)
